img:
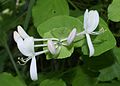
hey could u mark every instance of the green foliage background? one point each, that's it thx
(50, 18)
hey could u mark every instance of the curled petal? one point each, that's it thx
(23, 49)
(51, 47)
(26, 47)
(29, 45)
(91, 21)
(85, 18)
(90, 45)
(20, 44)
(71, 36)
(16, 36)
(33, 69)
(22, 33)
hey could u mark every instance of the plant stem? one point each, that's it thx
(72, 4)
(13, 62)
(29, 12)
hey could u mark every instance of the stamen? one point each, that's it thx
(64, 44)
(41, 52)
(102, 30)
(62, 40)
(46, 39)
(81, 33)
(23, 61)
(99, 32)
(42, 45)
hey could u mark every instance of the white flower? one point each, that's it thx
(25, 44)
(71, 36)
(51, 47)
(91, 20)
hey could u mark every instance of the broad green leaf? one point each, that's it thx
(114, 11)
(99, 62)
(75, 13)
(45, 9)
(110, 73)
(8, 80)
(116, 52)
(56, 32)
(66, 22)
(102, 42)
(64, 50)
(60, 21)
(82, 79)
(53, 82)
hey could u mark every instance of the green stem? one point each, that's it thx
(13, 62)
(29, 12)
(72, 4)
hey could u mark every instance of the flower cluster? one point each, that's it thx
(26, 44)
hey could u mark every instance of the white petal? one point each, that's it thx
(93, 20)
(25, 50)
(71, 36)
(51, 47)
(90, 45)
(20, 43)
(33, 69)
(85, 19)
(22, 33)
(16, 36)
(29, 45)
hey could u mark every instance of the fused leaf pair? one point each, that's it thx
(69, 39)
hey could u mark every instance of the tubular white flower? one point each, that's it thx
(91, 20)
(51, 47)
(33, 69)
(26, 47)
(71, 36)
(25, 44)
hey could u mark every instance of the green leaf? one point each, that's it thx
(60, 21)
(110, 73)
(116, 52)
(56, 32)
(65, 24)
(114, 11)
(64, 50)
(82, 79)
(102, 42)
(8, 80)
(45, 9)
(75, 13)
(99, 62)
(53, 82)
